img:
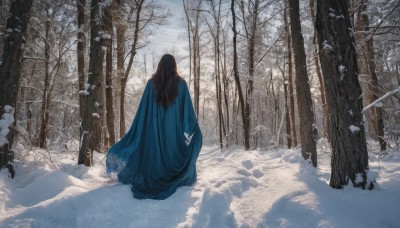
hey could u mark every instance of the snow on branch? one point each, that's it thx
(85, 91)
(375, 103)
(326, 46)
(354, 129)
(96, 115)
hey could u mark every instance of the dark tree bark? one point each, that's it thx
(251, 36)
(237, 78)
(308, 132)
(320, 77)
(109, 89)
(92, 118)
(10, 74)
(81, 45)
(225, 81)
(366, 63)
(120, 32)
(196, 60)
(339, 65)
(3, 20)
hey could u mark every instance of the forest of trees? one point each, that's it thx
(263, 74)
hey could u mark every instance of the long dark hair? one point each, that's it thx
(166, 80)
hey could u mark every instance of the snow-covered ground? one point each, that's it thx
(235, 188)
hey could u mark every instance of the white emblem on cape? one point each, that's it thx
(188, 138)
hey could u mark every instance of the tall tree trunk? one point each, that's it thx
(218, 92)
(46, 89)
(81, 46)
(196, 70)
(366, 63)
(308, 132)
(225, 81)
(287, 82)
(217, 53)
(189, 28)
(237, 78)
(196, 59)
(287, 116)
(220, 118)
(291, 92)
(29, 102)
(251, 53)
(92, 119)
(320, 77)
(291, 82)
(120, 32)
(374, 88)
(339, 64)
(109, 89)
(10, 74)
(235, 114)
(124, 79)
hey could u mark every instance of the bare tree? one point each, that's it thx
(144, 16)
(308, 131)
(124, 79)
(286, 84)
(320, 77)
(366, 63)
(215, 30)
(250, 23)
(193, 17)
(237, 78)
(226, 85)
(189, 34)
(56, 41)
(47, 39)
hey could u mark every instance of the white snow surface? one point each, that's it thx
(326, 45)
(235, 188)
(96, 115)
(6, 120)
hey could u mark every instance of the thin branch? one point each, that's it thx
(262, 57)
(387, 15)
(380, 99)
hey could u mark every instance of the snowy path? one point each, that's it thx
(235, 188)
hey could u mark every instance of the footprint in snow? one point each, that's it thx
(247, 164)
(257, 173)
(244, 172)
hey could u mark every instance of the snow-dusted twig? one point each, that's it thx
(26, 138)
(366, 108)
(51, 160)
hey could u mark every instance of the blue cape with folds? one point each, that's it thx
(159, 152)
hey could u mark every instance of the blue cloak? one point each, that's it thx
(159, 152)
